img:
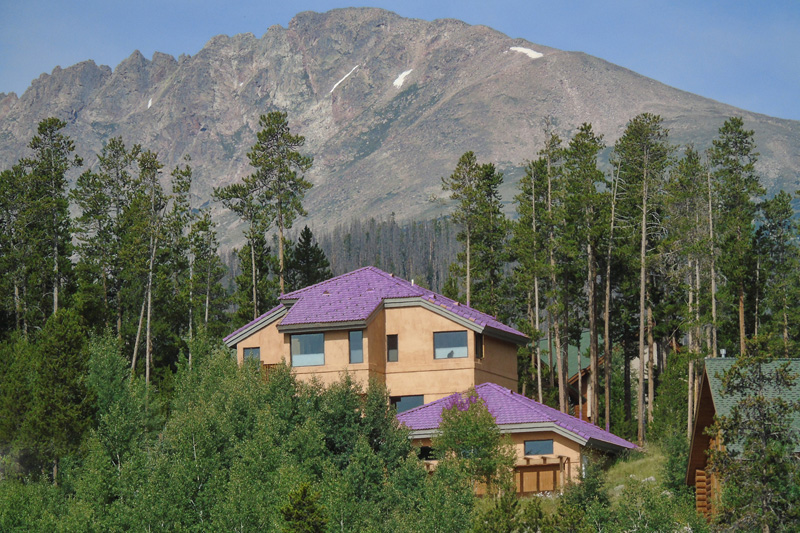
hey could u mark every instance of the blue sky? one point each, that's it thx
(744, 53)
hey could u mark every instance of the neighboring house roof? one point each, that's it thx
(350, 301)
(716, 368)
(711, 402)
(515, 413)
(572, 355)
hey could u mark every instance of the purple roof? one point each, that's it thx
(509, 408)
(356, 295)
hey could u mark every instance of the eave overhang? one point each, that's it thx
(262, 322)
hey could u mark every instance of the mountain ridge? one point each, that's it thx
(380, 145)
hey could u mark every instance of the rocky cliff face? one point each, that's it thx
(387, 106)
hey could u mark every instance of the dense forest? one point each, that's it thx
(119, 407)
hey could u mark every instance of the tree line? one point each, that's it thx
(666, 255)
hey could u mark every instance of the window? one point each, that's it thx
(308, 349)
(252, 353)
(391, 348)
(356, 347)
(404, 403)
(449, 344)
(478, 345)
(539, 447)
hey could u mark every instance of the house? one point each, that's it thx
(551, 446)
(371, 324)
(712, 403)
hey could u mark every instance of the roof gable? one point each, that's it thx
(512, 409)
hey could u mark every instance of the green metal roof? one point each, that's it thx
(572, 354)
(716, 367)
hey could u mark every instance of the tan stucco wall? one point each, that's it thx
(499, 363)
(271, 342)
(562, 446)
(416, 372)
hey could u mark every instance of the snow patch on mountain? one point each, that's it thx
(401, 78)
(345, 77)
(149, 103)
(533, 54)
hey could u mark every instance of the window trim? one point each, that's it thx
(466, 345)
(292, 354)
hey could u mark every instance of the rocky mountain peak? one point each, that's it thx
(387, 105)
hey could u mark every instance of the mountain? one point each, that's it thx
(387, 105)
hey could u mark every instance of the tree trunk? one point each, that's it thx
(17, 312)
(593, 346)
(742, 341)
(538, 346)
(253, 271)
(758, 276)
(280, 246)
(690, 401)
(785, 328)
(651, 375)
(713, 271)
(607, 307)
(550, 349)
(138, 336)
(56, 281)
(469, 269)
(642, 311)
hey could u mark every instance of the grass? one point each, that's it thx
(639, 465)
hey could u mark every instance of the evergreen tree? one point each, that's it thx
(733, 158)
(52, 159)
(278, 180)
(642, 154)
(585, 210)
(306, 263)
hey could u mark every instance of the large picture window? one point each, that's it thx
(404, 403)
(539, 447)
(356, 347)
(308, 349)
(450, 344)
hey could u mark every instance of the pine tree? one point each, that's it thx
(642, 154)
(733, 158)
(306, 263)
(278, 181)
(584, 206)
(49, 204)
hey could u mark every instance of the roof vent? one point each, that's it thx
(412, 282)
(326, 293)
(392, 274)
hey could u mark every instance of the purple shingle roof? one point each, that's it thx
(356, 295)
(508, 408)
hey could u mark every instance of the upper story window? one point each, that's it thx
(308, 349)
(252, 353)
(356, 347)
(391, 348)
(450, 344)
(539, 447)
(478, 345)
